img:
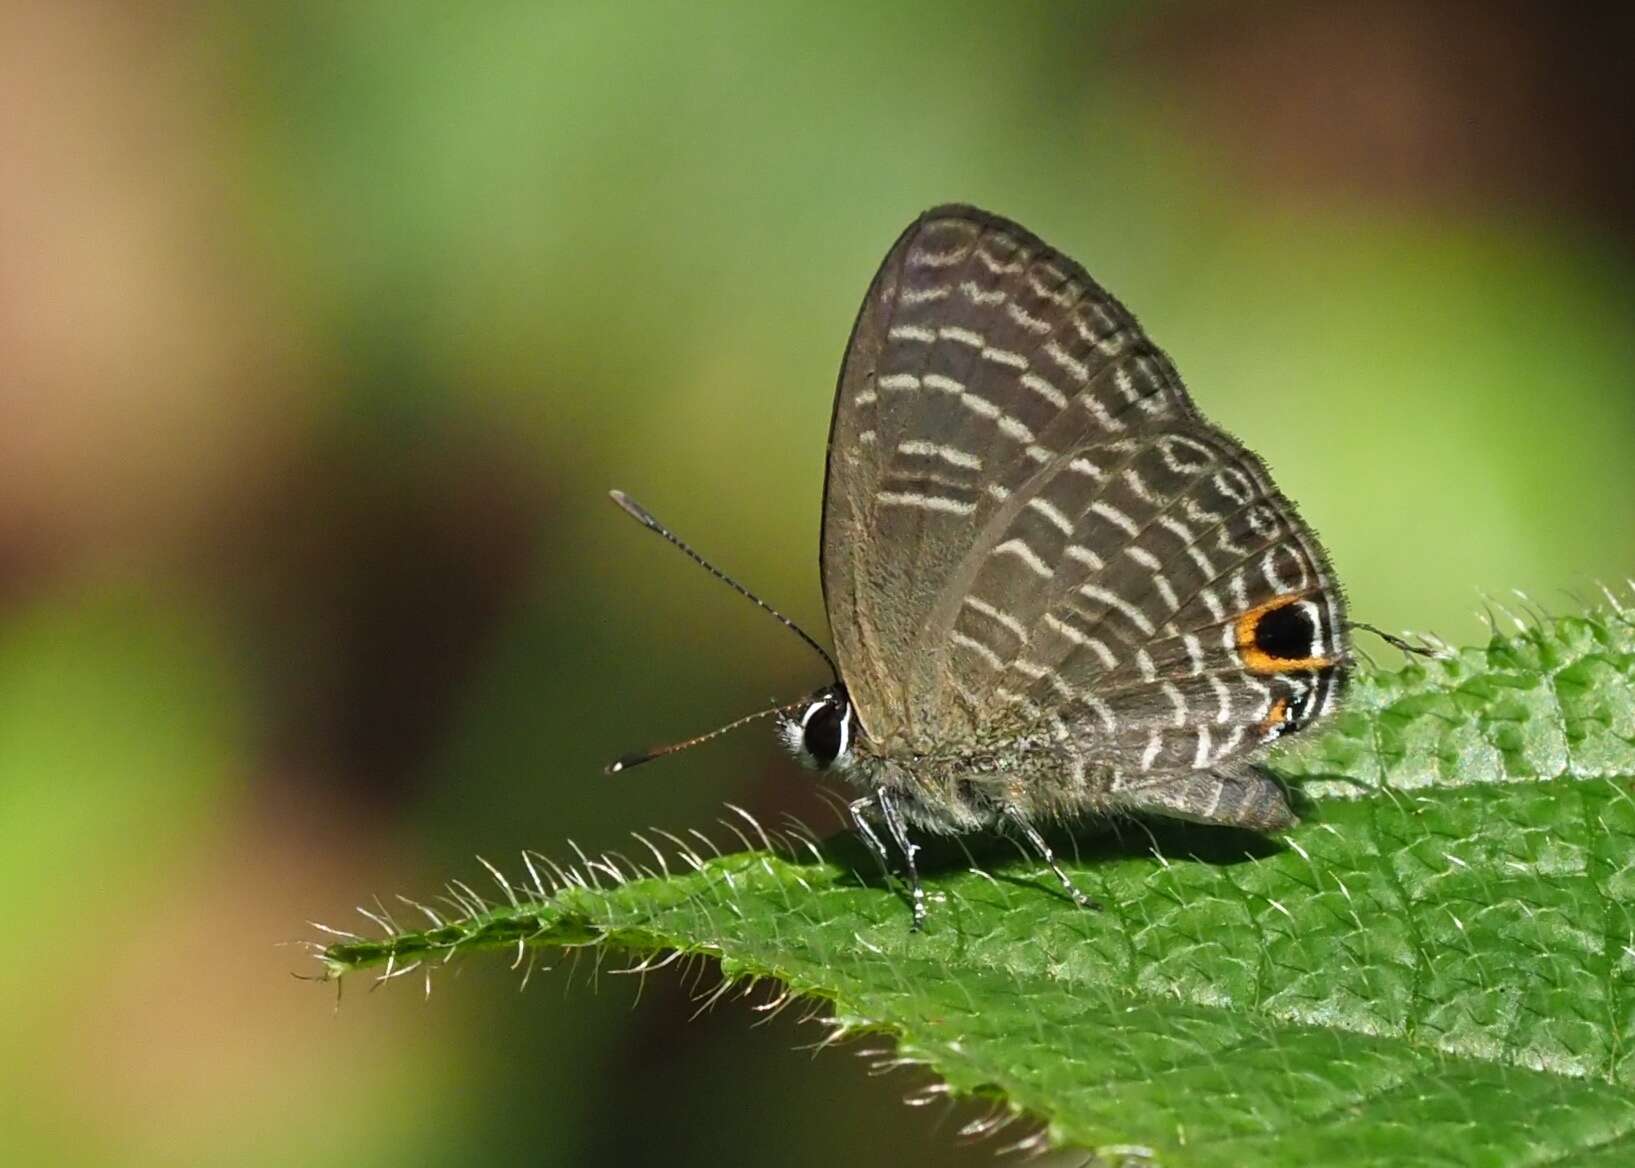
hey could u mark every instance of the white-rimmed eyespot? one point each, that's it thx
(820, 735)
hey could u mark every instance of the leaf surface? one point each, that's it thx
(1437, 966)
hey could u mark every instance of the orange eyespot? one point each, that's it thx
(1274, 718)
(1279, 637)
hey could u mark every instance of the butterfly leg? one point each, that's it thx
(899, 836)
(1049, 857)
(866, 829)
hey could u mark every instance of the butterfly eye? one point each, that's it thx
(826, 730)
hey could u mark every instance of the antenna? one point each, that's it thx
(645, 517)
(636, 758)
(1395, 642)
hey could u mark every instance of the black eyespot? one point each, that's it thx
(1310, 700)
(1301, 710)
(1286, 633)
(823, 731)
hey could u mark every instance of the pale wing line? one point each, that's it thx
(1310, 547)
(1054, 599)
(1226, 670)
(1128, 344)
(1036, 485)
(1225, 455)
(1292, 525)
(981, 234)
(890, 692)
(959, 583)
(1230, 669)
(1182, 406)
(997, 468)
(954, 276)
(1109, 362)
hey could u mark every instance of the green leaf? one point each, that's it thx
(1436, 967)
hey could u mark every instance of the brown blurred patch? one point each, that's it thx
(1512, 103)
(145, 366)
(373, 575)
(170, 409)
(200, 1043)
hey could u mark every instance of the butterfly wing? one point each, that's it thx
(1029, 529)
(1188, 617)
(981, 359)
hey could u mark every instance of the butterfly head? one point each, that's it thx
(820, 733)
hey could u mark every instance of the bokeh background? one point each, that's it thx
(325, 327)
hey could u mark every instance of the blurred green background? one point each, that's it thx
(324, 329)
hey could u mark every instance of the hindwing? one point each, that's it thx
(1189, 617)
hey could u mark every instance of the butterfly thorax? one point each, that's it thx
(1038, 770)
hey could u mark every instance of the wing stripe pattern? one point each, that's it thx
(1030, 530)
(982, 341)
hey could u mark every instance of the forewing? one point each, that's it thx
(981, 360)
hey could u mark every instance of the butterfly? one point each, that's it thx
(1055, 588)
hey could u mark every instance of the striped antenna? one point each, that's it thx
(646, 518)
(636, 758)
